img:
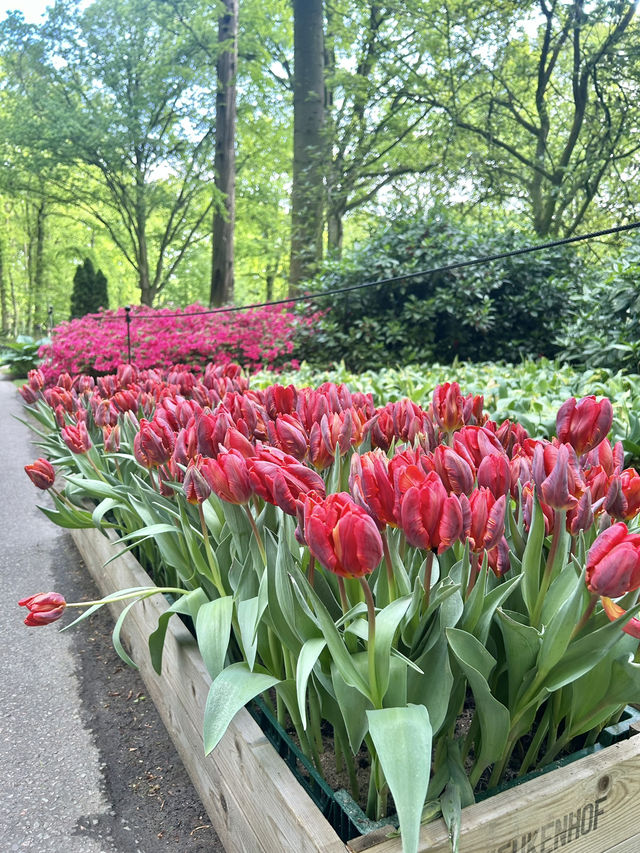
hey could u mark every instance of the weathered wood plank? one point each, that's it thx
(586, 807)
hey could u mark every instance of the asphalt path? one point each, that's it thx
(63, 784)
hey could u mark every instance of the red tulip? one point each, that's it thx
(280, 479)
(556, 475)
(494, 472)
(431, 519)
(476, 442)
(613, 562)
(623, 498)
(126, 401)
(584, 424)
(111, 438)
(210, 431)
(76, 437)
(228, 476)
(36, 380)
(341, 535)
(447, 406)
(372, 487)
(185, 448)
(455, 472)
(288, 433)
(487, 519)
(154, 443)
(280, 400)
(196, 486)
(45, 607)
(41, 473)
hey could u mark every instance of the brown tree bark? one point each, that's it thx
(222, 265)
(308, 143)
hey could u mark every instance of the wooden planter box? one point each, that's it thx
(257, 806)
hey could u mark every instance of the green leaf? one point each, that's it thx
(583, 654)
(402, 738)
(522, 644)
(213, 631)
(451, 807)
(556, 635)
(232, 689)
(117, 643)
(387, 622)
(184, 605)
(309, 654)
(477, 665)
(532, 558)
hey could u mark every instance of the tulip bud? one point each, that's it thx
(76, 437)
(228, 476)
(341, 535)
(430, 518)
(447, 407)
(196, 487)
(41, 473)
(45, 607)
(584, 424)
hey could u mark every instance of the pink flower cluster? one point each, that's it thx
(97, 343)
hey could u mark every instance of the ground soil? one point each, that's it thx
(154, 807)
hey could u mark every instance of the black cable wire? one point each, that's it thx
(485, 259)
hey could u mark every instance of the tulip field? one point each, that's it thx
(381, 554)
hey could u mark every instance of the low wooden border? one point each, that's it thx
(257, 806)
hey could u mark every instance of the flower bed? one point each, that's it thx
(467, 560)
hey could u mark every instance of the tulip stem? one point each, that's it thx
(344, 601)
(585, 616)
(391, 582)
(559, 521)
(211, 560)
(311, 570)
(256, 533)
(428, 565)
(371, 643)
(145, 592)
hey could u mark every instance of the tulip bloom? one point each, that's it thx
(372, 487)
(341, 535)
(456, 473)
(288, 433)
(447, 407)
(196, 487)
(45, 607)
(154, 442)
(76, 437)
(431, 519)
(584, 424)
(41, 473)
(280, 479)
(556, 475)
(613, 562)
(227, 475)
(494, 473)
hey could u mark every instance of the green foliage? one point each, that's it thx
(506, 309)
(605, 324)
(89, 290)
(21, 356)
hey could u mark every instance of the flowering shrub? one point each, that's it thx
(386, 568)
(97, 343)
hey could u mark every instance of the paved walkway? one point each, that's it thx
(51, 771)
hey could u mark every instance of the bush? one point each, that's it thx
(503, 310)
(97, 343)
(21, 356)
(604, 327)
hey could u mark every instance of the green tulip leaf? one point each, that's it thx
(307, 659)
(477, 665)
(387, 622)
(522, 644)
(402, 738)
(232, 689)
(213, 631)
(532, 558)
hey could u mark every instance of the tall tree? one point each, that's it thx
(89, 290)
(308, 141)
(115, 94)
(541, 94)
(222, 273)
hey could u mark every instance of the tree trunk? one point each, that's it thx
(308, 120)
(222, 289)
(4, 308)
(335, 233)
(36, 219)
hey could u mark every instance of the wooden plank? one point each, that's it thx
(586, 807)
(257, 806)
(255, 803)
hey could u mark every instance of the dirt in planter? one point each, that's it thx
(154, 806)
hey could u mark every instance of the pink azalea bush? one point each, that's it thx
(97, 343)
